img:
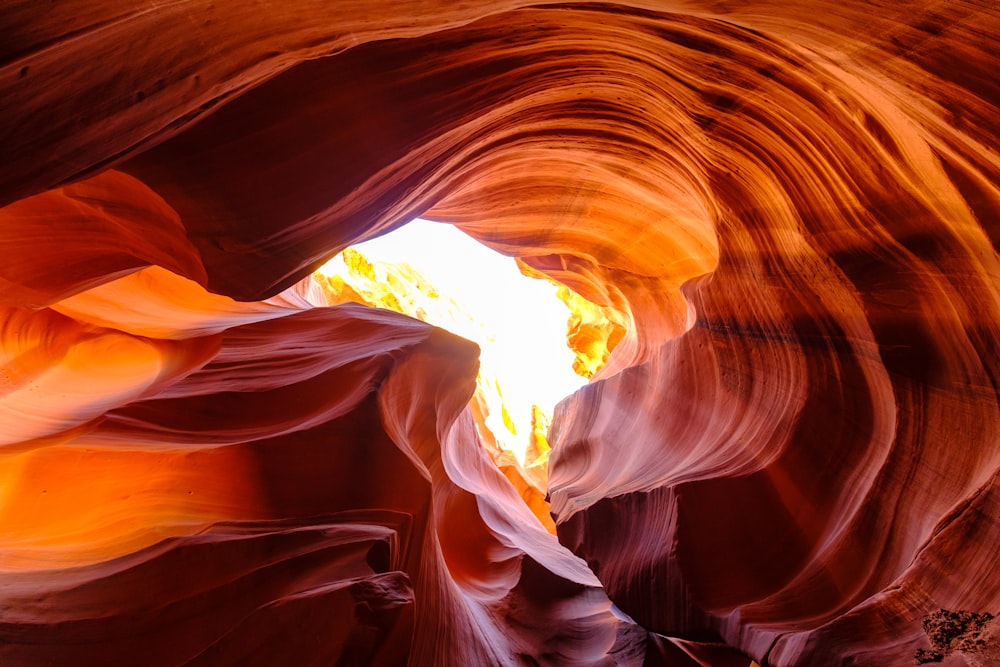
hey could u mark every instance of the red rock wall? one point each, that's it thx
(792, 455)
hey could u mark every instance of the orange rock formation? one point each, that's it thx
(791, 209)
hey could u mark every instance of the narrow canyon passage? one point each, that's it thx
(775, 230)
(538, 342)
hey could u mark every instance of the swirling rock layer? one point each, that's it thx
(792, 455)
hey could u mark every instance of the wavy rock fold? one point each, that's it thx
(786, 213)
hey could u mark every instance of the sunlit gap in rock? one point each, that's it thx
(436, 273)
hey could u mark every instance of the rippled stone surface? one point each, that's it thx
(791, 455)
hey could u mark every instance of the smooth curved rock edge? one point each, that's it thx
(793, 451)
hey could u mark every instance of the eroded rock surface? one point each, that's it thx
(790, 208)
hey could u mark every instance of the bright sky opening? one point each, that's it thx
(518, 322)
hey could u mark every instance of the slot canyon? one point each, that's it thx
(782, 216)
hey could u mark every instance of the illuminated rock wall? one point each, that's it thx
(352, 278)
(792, 455)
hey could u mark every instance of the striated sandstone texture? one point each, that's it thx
(788, 213)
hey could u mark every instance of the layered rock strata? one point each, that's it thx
(790, 208)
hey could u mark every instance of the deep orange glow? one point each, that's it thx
(68, 506)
